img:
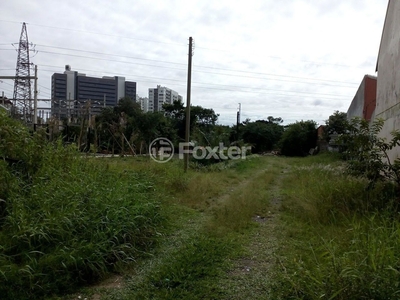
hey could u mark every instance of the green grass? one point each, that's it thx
(208, 233)
(67, 220)
(340, 239)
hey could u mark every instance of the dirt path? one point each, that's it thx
(250, 276)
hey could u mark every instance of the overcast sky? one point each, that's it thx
(295, 59)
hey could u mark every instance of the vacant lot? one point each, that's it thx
(263, 228)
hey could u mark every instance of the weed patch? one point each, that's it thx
(67, 220)
(340, 240)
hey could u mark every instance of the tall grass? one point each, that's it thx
(65, 219)
(341, 239)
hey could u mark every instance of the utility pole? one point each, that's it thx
(189, 82)
(35, 93)
(238, 121)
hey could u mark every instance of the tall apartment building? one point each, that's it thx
(143, 102)
(71, 91)
(160, 95)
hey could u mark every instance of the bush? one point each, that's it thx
(367, 154)
(298, 138)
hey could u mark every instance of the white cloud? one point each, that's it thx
(335, 43)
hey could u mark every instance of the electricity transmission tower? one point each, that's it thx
(22, 83)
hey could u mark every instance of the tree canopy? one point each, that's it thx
(298, 138)
(263, 135)
(337, 122)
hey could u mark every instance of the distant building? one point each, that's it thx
(160, 95)
(143, 102)
(5, 103)
(364, 102)
(71, 91)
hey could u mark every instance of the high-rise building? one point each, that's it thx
(72, 92)
(160, 95)
(143, 102)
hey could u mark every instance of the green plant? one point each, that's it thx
(298, 138)
(368, 154)
(361, 261)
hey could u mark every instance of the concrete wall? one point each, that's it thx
(364, 102)
(357, 105)
(388, 67)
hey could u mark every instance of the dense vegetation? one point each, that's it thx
(341, 240)
(126, 129)
(65, 219)
(343, 235)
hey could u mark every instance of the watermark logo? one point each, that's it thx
(161, 150)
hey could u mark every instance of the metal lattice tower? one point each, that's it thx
(22, 84)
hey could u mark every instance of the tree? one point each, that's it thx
(116, 125)
(200, 118)
(263, 134)
(298, 138)
(367, 154)
(336, 123)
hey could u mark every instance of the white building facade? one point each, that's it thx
(143, 102)
(160, 95)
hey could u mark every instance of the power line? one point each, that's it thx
(1, 81)
(171, 43)
(205, 83)
(113, 60)
(44, 87)
(207, 67)
(269, 74)
(100, 33)
(223, 74)
(109, 54)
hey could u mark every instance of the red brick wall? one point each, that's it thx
(369, 97)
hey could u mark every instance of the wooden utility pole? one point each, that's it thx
(35, 94)
(189, 82)
(238, 122)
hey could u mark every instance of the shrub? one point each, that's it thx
(367, 154)
(298, 138)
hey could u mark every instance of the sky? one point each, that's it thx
(294, 59)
